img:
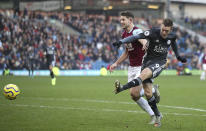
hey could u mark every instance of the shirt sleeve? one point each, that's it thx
(135, 37)
(174, 47)
(137, 31)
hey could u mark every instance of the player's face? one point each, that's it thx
(125, 22)
(49, 43)
(165, 30)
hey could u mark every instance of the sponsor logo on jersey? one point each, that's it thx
(129, 47)
(160, 49)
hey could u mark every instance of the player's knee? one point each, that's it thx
(135, 95)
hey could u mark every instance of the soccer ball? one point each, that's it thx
(11, 91)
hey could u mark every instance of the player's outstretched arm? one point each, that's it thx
(132, 38)
(123, 57)
(128, 40)
(174, 47)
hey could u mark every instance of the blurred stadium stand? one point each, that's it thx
(83, 30)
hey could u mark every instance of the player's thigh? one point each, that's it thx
(145, 74)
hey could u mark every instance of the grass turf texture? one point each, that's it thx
(89, 104)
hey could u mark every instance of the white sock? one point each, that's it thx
(142, 92)
(153, 90)
(202, 77)
(145, 106)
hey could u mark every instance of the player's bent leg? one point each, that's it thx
(134, 92)
(152, 103)
(142, 102)
(148, 90)
(146, 73)
(156, 93)
(53, 80)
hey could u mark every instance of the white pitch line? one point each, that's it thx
(113, 102)
(92, 109)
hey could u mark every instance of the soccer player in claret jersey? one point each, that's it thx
(202, 64)
(159, 40)
(135, 53)
(50, 52)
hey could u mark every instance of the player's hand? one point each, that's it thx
(182, 59)
(117, 44)
(110, 68)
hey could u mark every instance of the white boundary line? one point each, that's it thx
(112, 102)
(92, 109)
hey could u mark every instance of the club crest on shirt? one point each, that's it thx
(157, 41)
(169, 42)
(146, 33)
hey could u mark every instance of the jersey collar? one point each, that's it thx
(131, 29)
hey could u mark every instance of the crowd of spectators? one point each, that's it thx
(25, 32)
(198, 24)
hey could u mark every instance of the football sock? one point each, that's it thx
(202, 77)
(133, 83)
(153, 90)
(53, 81)
(153, 105)
(141, 92)
(145, 106)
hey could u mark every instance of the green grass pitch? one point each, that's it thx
(89, 104)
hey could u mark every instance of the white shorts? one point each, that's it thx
(204, 67)
(133, 72)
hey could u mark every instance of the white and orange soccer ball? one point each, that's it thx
(11, 91)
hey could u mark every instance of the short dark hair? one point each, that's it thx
(168, 22)
(127, 14)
